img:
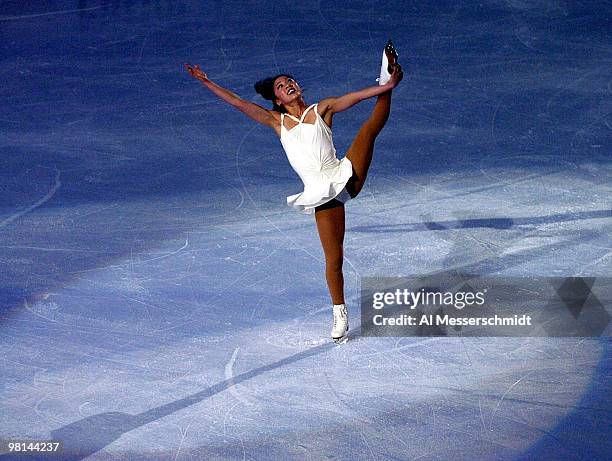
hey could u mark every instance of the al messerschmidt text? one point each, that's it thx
(430, 319)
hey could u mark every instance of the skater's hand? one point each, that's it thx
(396, 76)
(196, 72)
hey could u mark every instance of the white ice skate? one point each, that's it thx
(339, 331)
(389, 59)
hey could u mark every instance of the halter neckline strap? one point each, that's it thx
(301, 119)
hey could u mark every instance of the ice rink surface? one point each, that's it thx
(159, 300)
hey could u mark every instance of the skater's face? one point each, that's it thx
(286, 90)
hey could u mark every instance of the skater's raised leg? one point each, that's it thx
(362, 149)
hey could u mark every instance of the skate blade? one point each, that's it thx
(342, 339)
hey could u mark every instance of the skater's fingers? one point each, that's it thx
(195, 71)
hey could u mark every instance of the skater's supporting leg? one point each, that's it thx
(330, 224)
(361, 150)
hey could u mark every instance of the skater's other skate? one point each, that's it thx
(389, 61)
(340, 328)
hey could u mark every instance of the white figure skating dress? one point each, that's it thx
(311, 153)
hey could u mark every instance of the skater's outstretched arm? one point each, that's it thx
(341, 103)
(252, 110)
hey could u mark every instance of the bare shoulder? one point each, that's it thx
(274, 121)
(324, 106)
(275, 116)
(325, 110)
(272, 118)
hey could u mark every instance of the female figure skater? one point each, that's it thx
(305, 134)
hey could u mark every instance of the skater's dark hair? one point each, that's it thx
(265, 88)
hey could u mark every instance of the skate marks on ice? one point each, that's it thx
(229, 377)
(116, 423)
(492, 223)
(89, 435)
(50, 13)
(57, 184)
